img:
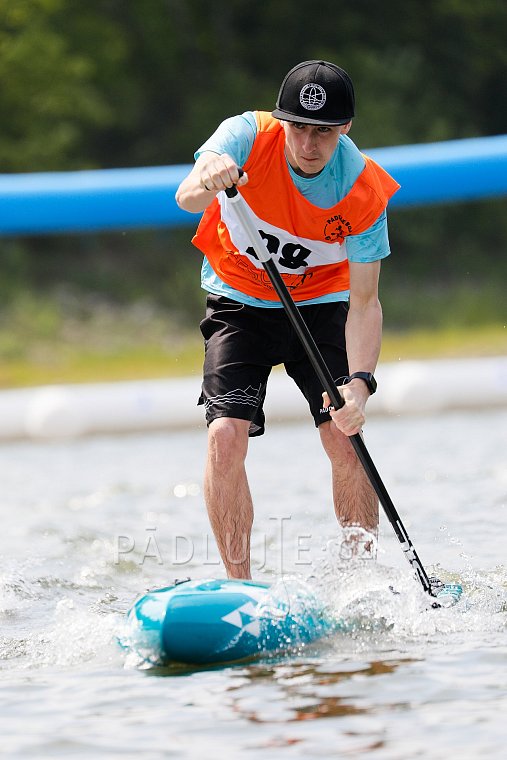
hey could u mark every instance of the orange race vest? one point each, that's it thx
(307, 242)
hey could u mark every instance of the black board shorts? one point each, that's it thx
(243, 343)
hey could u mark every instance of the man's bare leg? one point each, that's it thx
(227, 493)
(355, 501)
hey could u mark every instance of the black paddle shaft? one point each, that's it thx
(239, 205)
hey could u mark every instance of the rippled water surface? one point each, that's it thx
(88, 525)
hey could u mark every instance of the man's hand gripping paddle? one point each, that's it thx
(432, 586)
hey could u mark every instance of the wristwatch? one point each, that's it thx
(368, 379)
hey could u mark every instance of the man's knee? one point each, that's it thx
(228, 441)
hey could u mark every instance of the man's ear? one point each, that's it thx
(346, 127)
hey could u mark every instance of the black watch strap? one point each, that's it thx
(368, 378)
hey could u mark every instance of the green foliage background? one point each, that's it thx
(118, 83)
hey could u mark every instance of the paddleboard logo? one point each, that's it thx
(245, 619)
(312, 96)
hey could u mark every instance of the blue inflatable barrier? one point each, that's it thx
(91, 201)
(456, 170)
(121, 199)
(221, 621)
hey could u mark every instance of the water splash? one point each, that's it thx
(49, 620)
(371, 598)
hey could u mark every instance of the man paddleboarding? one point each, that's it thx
(320, 207)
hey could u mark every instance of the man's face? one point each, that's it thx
(309, 148)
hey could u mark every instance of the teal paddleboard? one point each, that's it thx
(220, 621)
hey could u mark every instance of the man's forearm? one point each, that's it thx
(363, 335)
(191, 195)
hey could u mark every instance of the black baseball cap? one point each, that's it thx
(316, 92)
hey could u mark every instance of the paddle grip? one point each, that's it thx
(231, 192)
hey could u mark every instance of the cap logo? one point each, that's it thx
(312, 96)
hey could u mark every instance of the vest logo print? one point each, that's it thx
(312, 96)
(336, 229)
(261, 278)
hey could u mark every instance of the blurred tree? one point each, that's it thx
(123, 83)
(49, 104)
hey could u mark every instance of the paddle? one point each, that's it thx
(239, 205)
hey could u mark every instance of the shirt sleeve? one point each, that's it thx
(235, 136)
(370, 245)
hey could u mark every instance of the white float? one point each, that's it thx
(69, 411)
